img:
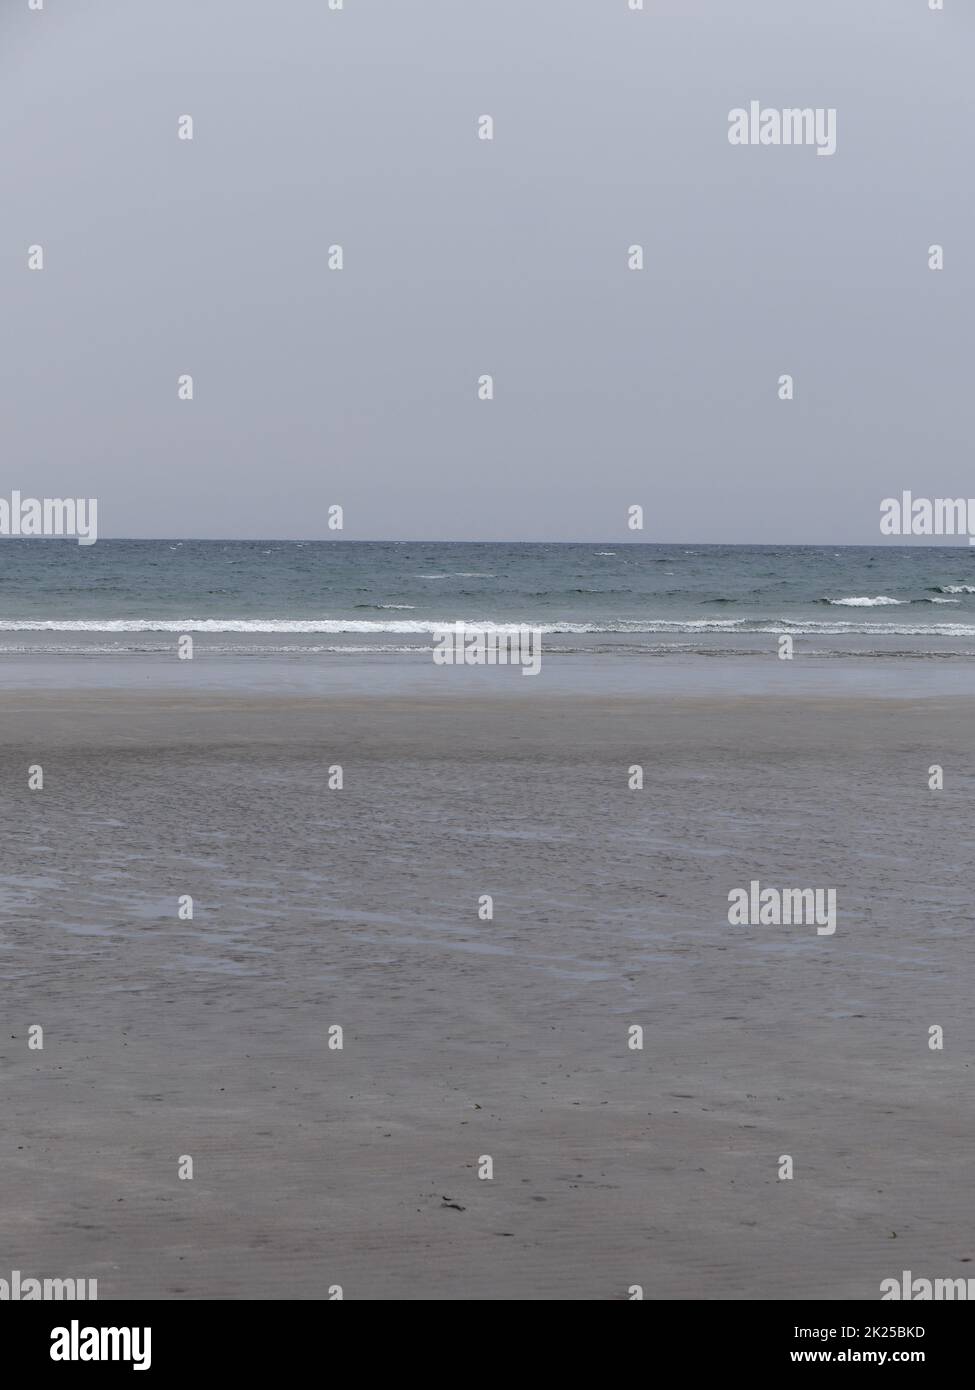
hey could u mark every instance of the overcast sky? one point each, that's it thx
(464, 257)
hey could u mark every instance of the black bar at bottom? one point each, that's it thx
(111, 1337)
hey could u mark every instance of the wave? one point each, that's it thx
(956, 588)
(881, 601)
(218, 648)
(428, 627)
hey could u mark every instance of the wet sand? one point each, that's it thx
(315, 1167)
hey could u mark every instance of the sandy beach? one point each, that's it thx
(316, 1167)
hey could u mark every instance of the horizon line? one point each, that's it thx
(883, 544)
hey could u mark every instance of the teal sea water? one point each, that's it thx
(339, 595)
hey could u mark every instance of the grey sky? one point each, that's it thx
(464, 257)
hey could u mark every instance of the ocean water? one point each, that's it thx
(250, 597)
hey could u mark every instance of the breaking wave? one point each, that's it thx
(420, 626)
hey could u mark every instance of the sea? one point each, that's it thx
(337, 597)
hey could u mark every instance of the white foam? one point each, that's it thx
(881, 601)
(418, 626)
